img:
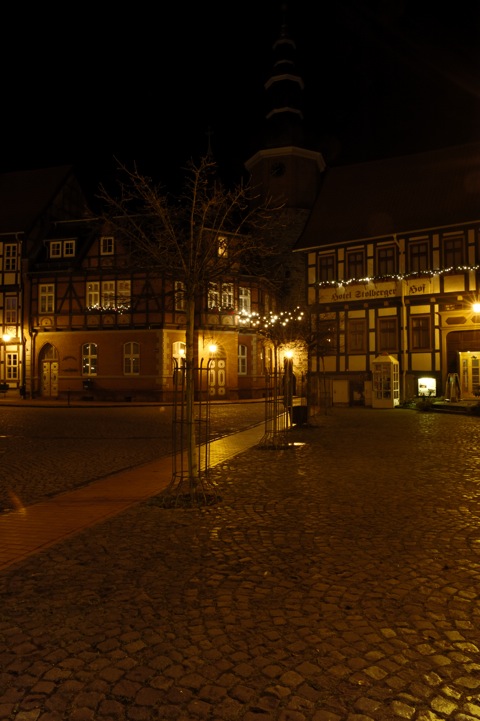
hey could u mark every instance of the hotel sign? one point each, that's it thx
(355, 292)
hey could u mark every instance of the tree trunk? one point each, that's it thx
(192, 462)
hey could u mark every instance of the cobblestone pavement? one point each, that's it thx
(335, 580)
(45, 450)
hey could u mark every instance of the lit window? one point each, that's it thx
(213, 295)
(108, 294)
(222, 247)
(131, 358)
(124, 294)
(46, 298)
(244, 300)
(93, 295)
(227, 295)
(11, 371)
(89, 359)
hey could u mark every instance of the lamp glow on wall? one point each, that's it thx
(476, 307)
(6, 337)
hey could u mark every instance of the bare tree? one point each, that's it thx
(205, 233)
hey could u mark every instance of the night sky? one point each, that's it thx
(145, 84)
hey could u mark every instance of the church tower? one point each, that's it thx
(287, 168)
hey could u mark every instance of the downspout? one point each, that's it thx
(404, 333)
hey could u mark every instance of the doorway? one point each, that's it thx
(49, 366)
(217, 377)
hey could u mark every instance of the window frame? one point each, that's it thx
(107, 245)
(242, 356)
(10, 257)
(46, 298)
(355, 263)
(386, 260)
(326, 265)
(89, 359)
(353, 335)
(423, 334)
(383, 333)
(131, 358)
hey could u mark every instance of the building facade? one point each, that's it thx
(392, 252)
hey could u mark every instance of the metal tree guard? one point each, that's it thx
(278, 408)
(181, 489)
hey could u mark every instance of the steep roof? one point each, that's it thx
(25, 196)
(397, 195)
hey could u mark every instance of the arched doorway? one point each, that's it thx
(48, 369)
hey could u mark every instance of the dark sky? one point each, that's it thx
(144, 84)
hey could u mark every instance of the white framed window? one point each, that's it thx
(93, 295)
(46, 298)
(227, 295)
(11, 369)
(242, 360)
(11, 309)
(108, 294)
(131, 358)
(89, 359)
(213, 295)
(179, 295)
(124, 294)
(244, 300)
(10, 257)
(55, 249)
(69, 248)
(107, 245)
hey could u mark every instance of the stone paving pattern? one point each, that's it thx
(69, 447)
(335, 580)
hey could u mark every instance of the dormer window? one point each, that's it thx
(55, 249)
(222, 248)
(107, 245)
(69, 248)
(62, 248)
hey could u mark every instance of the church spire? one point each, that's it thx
(284, 92)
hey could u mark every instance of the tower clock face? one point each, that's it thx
(277, 170)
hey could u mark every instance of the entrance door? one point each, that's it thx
(470, 374)
(48, 365)
(217, 377)
(50, 379)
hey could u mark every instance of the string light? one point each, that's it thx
(271, 319)
(398, 276)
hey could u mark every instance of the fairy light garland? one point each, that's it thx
(270, 320)
(398, 276)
